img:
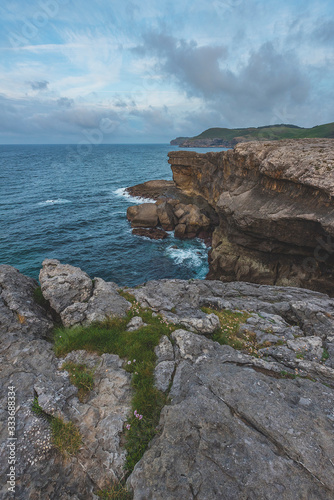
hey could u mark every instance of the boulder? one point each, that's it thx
(166, 216)
(144, 215)
(135, 323)
(76, 298)
(63, 285)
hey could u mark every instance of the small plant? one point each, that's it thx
(229, 334)
(65, 437)
(38, 410)
(325, 355)
(116, 491)
(80, 376)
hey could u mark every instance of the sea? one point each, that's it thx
(69, 203)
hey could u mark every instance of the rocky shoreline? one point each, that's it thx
(268, 206)
(250, 421)
(240, 366)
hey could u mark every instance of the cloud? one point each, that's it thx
(267, 78)
(65, 102)
(324, 32)
(192, 66)
(43, 85)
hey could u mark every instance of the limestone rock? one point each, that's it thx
(28, 362)
(63, 285)
(144, 215)
(18, 308)
(75, 297)
(166, 216)
(135, 323)
(165, 364)
(227, 445)
(274, 201)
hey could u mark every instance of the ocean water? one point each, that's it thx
(69, 204)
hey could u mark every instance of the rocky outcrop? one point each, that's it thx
(237, 425)
(144, 215)
(233, 432)
(29, 364)
(76, 298)
(275, 206)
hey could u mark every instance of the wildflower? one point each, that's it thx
(129, 362)
(128, 426)
(135, 413)
(140, 417)
(134, 361)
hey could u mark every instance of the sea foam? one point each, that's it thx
(57, 201)
(122, 192)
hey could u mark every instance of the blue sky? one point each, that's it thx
(149, 71)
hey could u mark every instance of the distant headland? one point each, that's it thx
(229, 137)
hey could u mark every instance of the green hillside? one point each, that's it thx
(230, 137)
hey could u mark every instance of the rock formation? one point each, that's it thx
(237, 426)
(275, 206)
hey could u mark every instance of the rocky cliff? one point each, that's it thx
(275, 206)
(248, 371)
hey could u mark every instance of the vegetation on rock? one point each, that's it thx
(137, 350)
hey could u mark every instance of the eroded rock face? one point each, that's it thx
(76, 298)
(275, 206)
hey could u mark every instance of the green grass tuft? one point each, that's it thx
(116, 491)
(65, 437)
(80, 376)
(325, 355)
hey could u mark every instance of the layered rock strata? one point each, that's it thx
(275, 206)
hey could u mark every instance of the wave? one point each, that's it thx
(190, 257)
(58, 201)
(122, 192)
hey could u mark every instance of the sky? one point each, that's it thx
(110, 71)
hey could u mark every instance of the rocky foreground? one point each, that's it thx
(269, 205)
(236, 426)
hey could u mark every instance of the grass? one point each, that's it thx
(325, 355)
(65, 436)
(80, 376)
(116, 491)
(270, 132)
(229, 333)
(137, 350)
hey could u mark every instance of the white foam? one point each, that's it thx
(58, 201)
(122, 192)
(188, 257)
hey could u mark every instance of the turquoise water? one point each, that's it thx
(65, 203)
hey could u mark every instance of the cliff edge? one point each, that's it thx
(274, 201)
